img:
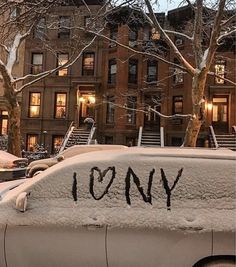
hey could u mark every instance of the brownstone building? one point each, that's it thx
(116, 87)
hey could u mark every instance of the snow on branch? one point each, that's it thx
(42, 75)
(225, 34)
(179, 34)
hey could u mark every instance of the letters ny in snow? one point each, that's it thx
(97, 173)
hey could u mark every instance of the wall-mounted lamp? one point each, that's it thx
(209, 106)
(81, 99)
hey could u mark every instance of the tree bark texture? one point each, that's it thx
(198, 116)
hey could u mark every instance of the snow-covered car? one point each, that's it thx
(37, 166)
(135, 207)
(11, 167)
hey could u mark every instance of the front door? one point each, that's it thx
(86, 107)
(220, 113)
(151, 119)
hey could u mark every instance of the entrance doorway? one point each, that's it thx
(151, 119)
(220, 113)
(86, 107)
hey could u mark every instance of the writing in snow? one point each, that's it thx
(129, 177)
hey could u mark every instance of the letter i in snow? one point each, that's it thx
(74, 188)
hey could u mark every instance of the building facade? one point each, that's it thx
(116, 87)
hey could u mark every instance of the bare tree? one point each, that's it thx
(211, 23)
(18, 20)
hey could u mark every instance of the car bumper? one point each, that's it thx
(12, 174)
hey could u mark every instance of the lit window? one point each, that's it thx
(177, 104)
(37, 63)
(34, 108)
(32, 141)
(112, 71)
(3, 122)
(64, 27)
(62, 59)
(56, 142)
(88, 64)
(220, 72)
(110, 116)
(133, 71)
(131, 111)
(151, 71)
(60, 106)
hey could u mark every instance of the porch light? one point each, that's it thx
(81, 99)
(209, 106)
(91, 99)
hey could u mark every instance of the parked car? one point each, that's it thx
(11, 167)
(131, 207)
(37, 166)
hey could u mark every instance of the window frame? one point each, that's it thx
(90, 70)
(131, 113)
(133, 78)
(153, 77)
(112, 76)
(63, 32)
(31, 104)
(36, 68)
(110, 110)
(220, 73)
(63, 70)
(63, 107)
(174, 101)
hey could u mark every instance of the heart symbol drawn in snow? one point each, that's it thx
(100, 178)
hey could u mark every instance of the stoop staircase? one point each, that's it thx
(77, 136)
(150, 138)
(223, 140)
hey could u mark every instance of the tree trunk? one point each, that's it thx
(198, 116)
(14, 135)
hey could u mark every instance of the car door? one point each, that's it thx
(2, 256)
(28, 246)
(155, 247)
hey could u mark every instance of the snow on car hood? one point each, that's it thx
(186, 189)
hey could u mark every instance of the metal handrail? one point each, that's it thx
(140, 135)
(162, 136)
(67, 136)
(92, 131)
(214, 137)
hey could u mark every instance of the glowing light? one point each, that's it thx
(81, 99)
(209, 106)
(91, 99)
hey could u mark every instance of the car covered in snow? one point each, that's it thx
(11, 167)
(131, 207)
(37, 166)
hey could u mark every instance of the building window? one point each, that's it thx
(62, 59)
(32, 141)
(3, 122)
(64, 27)
(177, 104)
(60, 106)
(220, 72)
(151, 71)
(133, 71)
(146, 34)
(178, 73)
(133, 36)
(56, 143)
(113, 35)
(112, 70)
(109, 140)
(88, 64)
(110, 114)
(131, 111)
(34, 108)
(40, 29)
(37, 63)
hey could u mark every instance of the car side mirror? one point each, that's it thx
(21, 201)
(60, 158)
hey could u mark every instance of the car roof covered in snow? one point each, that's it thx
(172, 188)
